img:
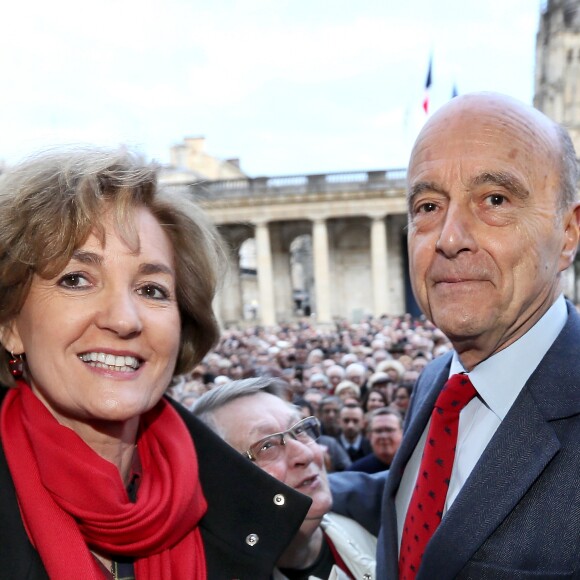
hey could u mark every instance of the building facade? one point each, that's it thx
(557, 83)
(329, 246)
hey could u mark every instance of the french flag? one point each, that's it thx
(428, 86)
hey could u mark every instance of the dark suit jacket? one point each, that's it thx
(518, 514)
(369, 464)
(364, 449)
(240, 500)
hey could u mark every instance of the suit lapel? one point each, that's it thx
(516, 455)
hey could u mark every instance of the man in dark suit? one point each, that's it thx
(493, 223)
(385, 431)
(352, 426)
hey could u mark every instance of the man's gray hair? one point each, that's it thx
(205, 407)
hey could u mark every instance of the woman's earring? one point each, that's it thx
(16, 365)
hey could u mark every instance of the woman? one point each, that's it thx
(253, 416)
(402, 397)
(347, 390)
(374, 399)
(106, 285)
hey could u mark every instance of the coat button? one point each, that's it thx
(252, 539)
(279, 499)
(367, 577)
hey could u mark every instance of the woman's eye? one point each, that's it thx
(153, 291)
(73, 280)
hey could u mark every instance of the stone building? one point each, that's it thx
(331, 245)
(189, 162)
(557, 83)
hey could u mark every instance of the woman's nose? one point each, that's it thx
(120, 313)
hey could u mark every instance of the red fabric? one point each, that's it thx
(428, 500)
(70, 497)
(337, 558)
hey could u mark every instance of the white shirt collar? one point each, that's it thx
(500, 378)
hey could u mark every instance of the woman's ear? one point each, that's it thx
(10, 338)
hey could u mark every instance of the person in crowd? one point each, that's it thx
(314, 398)
(352, 432)
(357, 373)
(383, 382)
(106, 289)
(335, 374)
(402, 397)
(493, 426)
(253, 417)
(320, 382)
(328, 410)
(394, 368)
(385, 432)
(335, 456)
(374, 399)
(347, 390)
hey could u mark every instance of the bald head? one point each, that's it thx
(488, 117)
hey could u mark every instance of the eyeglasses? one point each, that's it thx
(271, 448)
(383, 430)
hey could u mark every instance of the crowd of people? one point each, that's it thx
(374, 362)
(340, 374)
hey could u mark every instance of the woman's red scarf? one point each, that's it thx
(71, 498)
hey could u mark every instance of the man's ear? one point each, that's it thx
(10, 338)
(571, 236)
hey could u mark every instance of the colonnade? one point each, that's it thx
(356, 262)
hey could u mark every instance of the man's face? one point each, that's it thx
(247, 420)
(385, 436)
(487, 238)
(356, 377)
(351, 422)
(329, 414)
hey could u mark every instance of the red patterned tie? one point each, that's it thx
(426, 507)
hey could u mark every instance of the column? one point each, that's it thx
(265, 275)
(321, 270)
(379, 265)
(230, 298)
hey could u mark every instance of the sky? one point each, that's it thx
(287, 86)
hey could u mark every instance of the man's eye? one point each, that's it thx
(268, 444)
(427, 207)
(73, 280)
(496, 199)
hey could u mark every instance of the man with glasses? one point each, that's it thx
(253, 417)
(385, 432)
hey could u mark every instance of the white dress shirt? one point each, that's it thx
(498, 381)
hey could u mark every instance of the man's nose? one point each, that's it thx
(457, 231)
(299, 453)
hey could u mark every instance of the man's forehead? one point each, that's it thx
(482, 121)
